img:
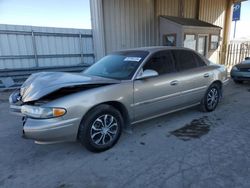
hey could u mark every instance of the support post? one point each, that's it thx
(81, 47)
(181, 8)
(226, 31)
(34, 47)
(97, 18)
(197, 14)
(227, 23)
(235, 24)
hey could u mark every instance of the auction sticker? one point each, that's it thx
(136, 59)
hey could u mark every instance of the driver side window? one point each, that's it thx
(161, 62)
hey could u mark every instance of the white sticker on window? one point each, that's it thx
(136, 59)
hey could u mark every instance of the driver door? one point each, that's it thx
(156, 95)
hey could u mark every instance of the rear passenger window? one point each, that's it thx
(161, 62)
(200, 62)
(184, 59)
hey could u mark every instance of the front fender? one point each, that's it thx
(78, 104)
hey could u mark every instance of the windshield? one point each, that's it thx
(120, 65)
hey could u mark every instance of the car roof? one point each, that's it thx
(153, 49)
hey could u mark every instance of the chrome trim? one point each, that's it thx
(168, 96)
(194, 90)
(156, 99)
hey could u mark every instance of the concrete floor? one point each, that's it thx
(185, 149)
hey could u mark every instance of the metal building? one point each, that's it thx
(121, 24)
(27, 49)
(30, 47)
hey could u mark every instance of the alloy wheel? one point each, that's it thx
(212, 98)
(104, 129)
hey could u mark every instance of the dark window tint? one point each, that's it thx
(161, 62)
(200, 62)
(184, 59)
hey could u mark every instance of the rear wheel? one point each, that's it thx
(101, 128)
(238, 81)
(211, 98)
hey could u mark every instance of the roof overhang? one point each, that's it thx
(190, 22)
(238, 1)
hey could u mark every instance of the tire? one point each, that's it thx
(211, 98)
(101, 128)
(238, 81)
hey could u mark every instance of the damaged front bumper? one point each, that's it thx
(45, 130)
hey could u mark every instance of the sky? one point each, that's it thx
(76, 14)
(51, 13)
(243, 25)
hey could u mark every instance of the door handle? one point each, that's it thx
(206, 75)
(174, 83)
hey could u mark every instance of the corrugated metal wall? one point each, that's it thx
(167, 7)
(128, 23)
(48, 47)
(190, 8)
(213, 11)
(134, 23)
(97, 22)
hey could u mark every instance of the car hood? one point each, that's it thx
(41, 84)
(244, 64)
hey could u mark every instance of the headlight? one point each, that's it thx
(235, 68)
(43, 113)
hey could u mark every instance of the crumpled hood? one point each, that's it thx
(41, 84)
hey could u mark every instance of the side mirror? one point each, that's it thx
(247, 58)
(148, 74)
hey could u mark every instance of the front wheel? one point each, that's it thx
(101, 128)
(211, 98)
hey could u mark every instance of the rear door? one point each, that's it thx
(193, 76)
